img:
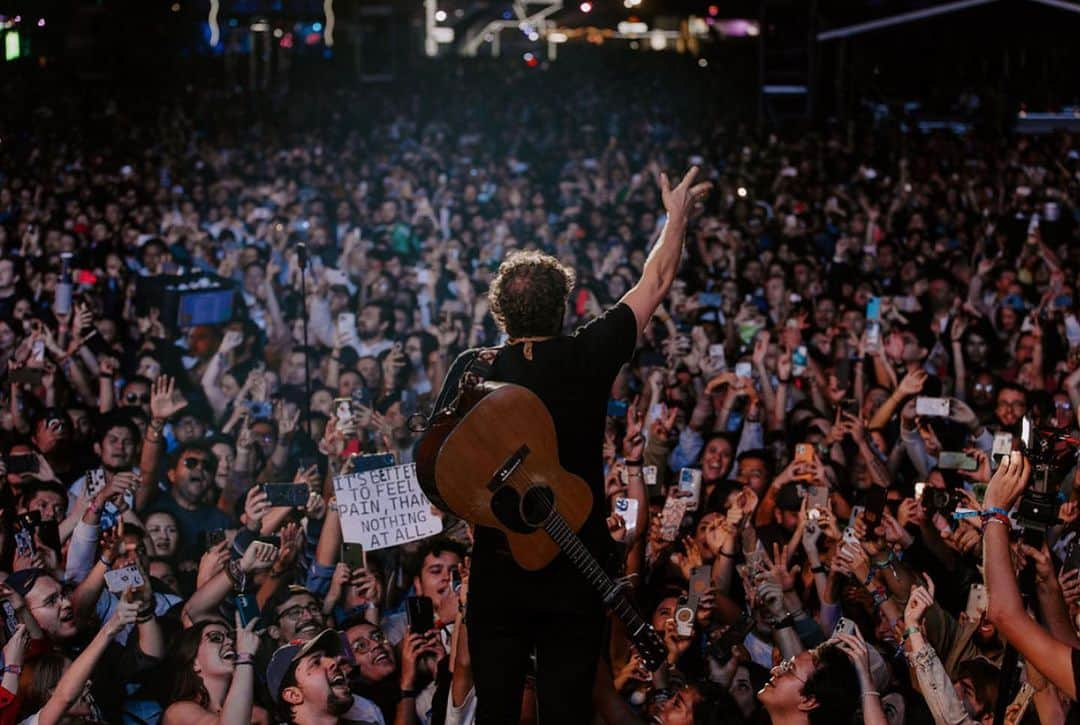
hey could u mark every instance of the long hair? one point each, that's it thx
(187, 684)
(38, 680)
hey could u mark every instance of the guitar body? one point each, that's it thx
(495, 462)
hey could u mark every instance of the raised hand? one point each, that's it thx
(680, 200)
(919, 601)
(1008, 482)
(259, 555)
(165, 399)
(247, 641)
(913, 382)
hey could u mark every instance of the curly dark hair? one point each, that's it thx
(529, 293)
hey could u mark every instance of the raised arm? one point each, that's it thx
(663, 261)
(1006, 610)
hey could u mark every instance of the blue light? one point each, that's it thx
(317, 27)
(507, 15)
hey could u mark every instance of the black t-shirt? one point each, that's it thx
(573, 376)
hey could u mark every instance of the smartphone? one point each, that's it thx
(845, 626)
(11, 619)
(920, 488)
(617, 408)
(755, 562)
(22, 463)
(804, 452)
(119, 580)
(346, 325)
(37, 351)
(1072, 555)
(372, 462)
(873, 336)
(1003, 445)
(873, 308)
(420, 613)
(352, 555)
(259, 409)
(247, 607)
(1027, 435)
(648, 473)
(684, 618)
(627, 510)
(744, 370)
(875, 506)
(718, 357)
(690, 486)
(287, 494)
(110, 516)
(842, 370)
(817, 498)
(932, 407)
(343, 410)
(850, 537)
(976, 603)
(957, 460)
(700, 579)
(798, 361)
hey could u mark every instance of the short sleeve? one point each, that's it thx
(608, 341)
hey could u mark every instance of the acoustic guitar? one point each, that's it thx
(492, 459)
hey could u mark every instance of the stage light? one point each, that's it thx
(741, 191)
(41, 22)
(714, 10)
(317, 27)
(534, 36)
(278, 32)
(440, 16)
(702, 63)
(586, 7)
(175, 7)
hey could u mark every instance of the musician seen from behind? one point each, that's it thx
(554, 612)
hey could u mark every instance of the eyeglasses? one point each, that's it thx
(294, 612)
(133, 398)
(363, 645)
(984, 387)
(53, 600)
(1020, 405)
(192, 463)
(787, 667)
(217, 637)
(1063, 405)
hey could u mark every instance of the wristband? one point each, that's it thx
(243, 660)
(106, 562)
(871, 693)
(636, 462)
(13, 669)
(908, 632)
(819, 569)
(995, 510)
(723, 553)
(787, 621)
(408, 694)
(996, 517)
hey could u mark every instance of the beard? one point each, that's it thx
(338, 704)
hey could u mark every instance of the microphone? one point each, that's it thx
(301, 254)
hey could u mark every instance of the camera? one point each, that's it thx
(1038, 509)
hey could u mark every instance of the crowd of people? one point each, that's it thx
(805, 458)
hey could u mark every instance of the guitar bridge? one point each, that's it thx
(507, 469)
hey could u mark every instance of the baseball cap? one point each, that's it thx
(327, 641)
(23, 580)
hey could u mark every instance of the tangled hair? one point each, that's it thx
(528, 295)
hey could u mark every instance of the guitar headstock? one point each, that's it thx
(650, 646)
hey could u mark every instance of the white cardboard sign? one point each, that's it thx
(384, 507)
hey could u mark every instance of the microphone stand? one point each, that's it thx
(302, 258)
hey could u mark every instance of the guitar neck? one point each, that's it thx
(586, 563)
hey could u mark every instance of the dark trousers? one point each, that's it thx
(567, 646)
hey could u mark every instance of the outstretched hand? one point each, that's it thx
(680, 200)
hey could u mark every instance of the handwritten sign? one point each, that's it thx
(384, 507)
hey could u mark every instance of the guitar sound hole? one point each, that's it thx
(536, 505)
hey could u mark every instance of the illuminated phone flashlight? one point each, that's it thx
(742, 192)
